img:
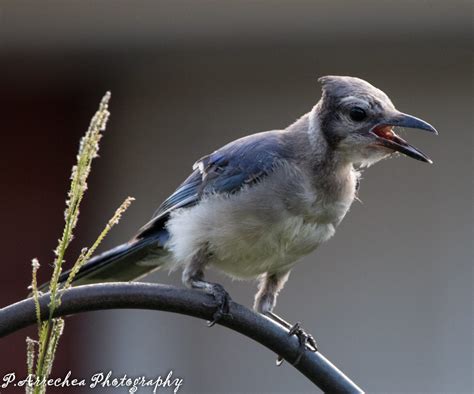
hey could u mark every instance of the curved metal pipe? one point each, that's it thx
(137, 295)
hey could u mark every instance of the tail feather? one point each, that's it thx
(121, 263)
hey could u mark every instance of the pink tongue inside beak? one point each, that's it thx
(385, 132)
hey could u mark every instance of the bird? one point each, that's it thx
(255, 206)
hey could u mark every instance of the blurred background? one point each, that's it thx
(391, 294)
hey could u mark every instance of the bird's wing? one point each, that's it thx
(227, 170)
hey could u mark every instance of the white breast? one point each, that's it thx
(250, 233)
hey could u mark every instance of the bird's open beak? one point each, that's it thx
(388, 139)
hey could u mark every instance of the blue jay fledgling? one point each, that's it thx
(255, 206)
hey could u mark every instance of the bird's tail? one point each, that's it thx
(122, 263)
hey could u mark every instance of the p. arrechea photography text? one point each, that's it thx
(104, 379)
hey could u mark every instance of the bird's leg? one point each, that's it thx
(269, 287)
(193, 276)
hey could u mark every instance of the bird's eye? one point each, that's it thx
(357, 114)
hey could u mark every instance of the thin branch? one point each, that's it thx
(314, 366)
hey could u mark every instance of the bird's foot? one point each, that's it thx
(222, 300)
(306, 342)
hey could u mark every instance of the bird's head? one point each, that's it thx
(357, 120)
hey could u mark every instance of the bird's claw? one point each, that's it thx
(222, 300)
(306, 341)
(303, 336)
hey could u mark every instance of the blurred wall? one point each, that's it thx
(389, 298)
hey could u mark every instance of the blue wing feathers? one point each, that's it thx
(227, 170)
(186, 192)
(241, 162)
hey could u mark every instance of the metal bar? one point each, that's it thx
(95, 297)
